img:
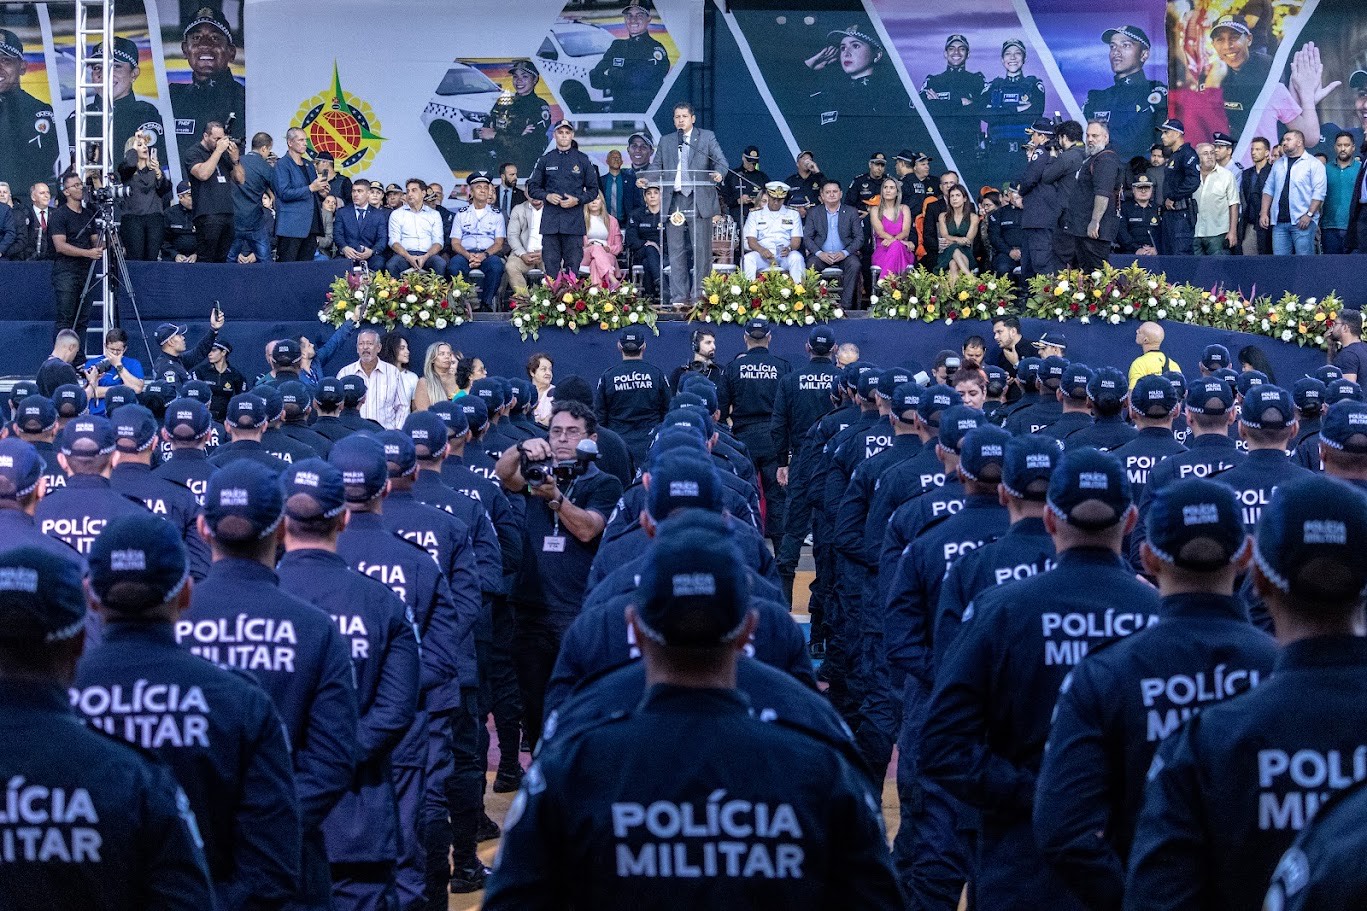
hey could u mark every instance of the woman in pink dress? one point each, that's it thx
(602, 243)
(893, 245)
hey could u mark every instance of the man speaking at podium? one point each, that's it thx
(680, 157)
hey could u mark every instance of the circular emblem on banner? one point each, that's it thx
(342, 124)
(677, 219)
(41, 125)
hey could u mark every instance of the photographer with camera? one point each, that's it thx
(567, 508)
(213, 166)
(76, 241)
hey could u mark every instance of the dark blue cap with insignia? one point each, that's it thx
(476, 412)
(682, 483)
(211, 17)
(478, 177)
(1029, 465)
(489, 391)
(198, 390)
(1209, 396)
(41, 598)
(1312, 541)
(525, 67)
(70, 399)
(186, 420)
(1327, 373)
(453, 416)
(1052, 339)
(1172, 123)
(1043, 126)
(427, 432)
(361, 460)
(125, 51)
(851, 373)
(1308, 394)
(691, 416)
(1109, 386)
(137, 563)
(868, 382)
(1234, 24)
(286, 353)
(1229, 375)
(353, 390)
(1178, 383)
(294, 397)
(1345, 427)
(955, 423)
(564, 125)
(1153, 396)
(1132, 32)
(1051, 371)
(35, 414)
(1222, 139)
(982, 453)
(632, 338)
(1213, 357)
(934, 400)
(1248, 379)
(997, 378)
(90, 435)
(680, 436)
(400, 454)
(906, 399)
(956, 39)
(757, 327)
(10, 45)
(1342, 390)
(1194, 523)
(890, 379)
(1075, 380)
(274, 401)
(243, 502)
(135, 429)
(1027, 371)
(821, 339)
(156, 393)
(693, 591)
(246, 410)
(1089, 490)
(21, 467)
(329, 392)
(313, 489)
(167, 331)
(1268, 408)
(22, 390)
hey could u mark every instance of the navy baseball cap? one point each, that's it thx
(186, 420)
(243, 502)
(1345, 427)
(702, 387)
(982, 453)
(1029, 465)
(313, 489)
(476, 412)
(821, 339)
(691, 416)
(693, 586)
(1051, 371)
(490, 391)
(934, 400)
(1027, 371)
(89, 435)
(1052, 339)
(137, 563)
(1312, 541)
(891, 379)
(868, 383)
(70, 400)
(353, 390)
(182, 188)
(1194, 523)
(682, 482)
(1132, 32)
(680, 436)
(35, 414)
(1178, 382)
(850, 375)
(997, 378)
(1341, 390)
(329, 392)
(1233, 23)
(906, 399)
(757, 327)
(1229, 375)
(1089, 490)
(1327, 373)
(21, 467)
(365, 470)
(632, 338)
(135, 429)
(1075, 381)
(22, 390)
(1153, 396)
(198, 390)
(452, 415)
(955, 423)
(1108, 386)
(1213, 357)
(1172, 123)
(1209, 396)
(1308, 394)
(286, 353)
(1042, 125)
(427, 432)
(246, 410)
(156, 393)
(167, 331)
(1250, 379)
(294, 398)
(275, 402)
(400, 455)
(1268, 408)
(41, 598)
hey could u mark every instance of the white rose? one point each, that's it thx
(735, 290)
(726, 316)
(412, 298)
(1153, 285)
(593, 292)
(1129, 309)
(458, 320)
(560, 307)
(441, 323)
(517, 321)
(839, 313)
(1115, 319)
(406, 319)
(634, 317)
(785, 293)
(1311, 301)
(1162, 314)
(873, 300)
(455, 293)
(1085, 320)
(424, 314)
(991, 286)
(735, 306)
(1096, 275)
(1115, 294)
(560, 322)
(810, 319)
(1266, 325)
(1062, 286)
(1058, 311)
(913, 300)
(1287, 335)
(360, 294)
(1177, 301)
(1153, 302)
(783, 306)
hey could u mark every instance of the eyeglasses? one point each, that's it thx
(569, 433)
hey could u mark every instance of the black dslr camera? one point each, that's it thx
(540, 472)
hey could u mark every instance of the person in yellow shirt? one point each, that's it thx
(1149, 336)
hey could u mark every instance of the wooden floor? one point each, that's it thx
(496, 805)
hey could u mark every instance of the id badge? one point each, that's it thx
(222, 179)
(553, 544)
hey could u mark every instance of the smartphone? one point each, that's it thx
(218, 311)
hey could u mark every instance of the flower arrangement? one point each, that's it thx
(732, 298)
(1305, 322)
(574, 304)
(415, 300)
(919, 294)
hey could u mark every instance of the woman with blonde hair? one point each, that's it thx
(438, 383)
(602, 243)
(142, 222)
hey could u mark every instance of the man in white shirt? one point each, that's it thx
(1293, 197)
(415, 233)
(477, 239)
(773, 235)
(524, 237)
(384, 400)
(1217, 206)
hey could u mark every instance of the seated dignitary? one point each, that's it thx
(773, 235)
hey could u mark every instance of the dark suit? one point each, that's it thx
(1357, 217)
(27, 231)
(507, 199)
(704, 154)
(8, 232)
(1042, 211)
(851, 231)
(372, 233)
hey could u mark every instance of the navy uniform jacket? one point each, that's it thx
(1323, 869)
(632, 542)
(796, 825)
(241, 618)
(1132, 108)
(861, 446)
(78, 512)
(808, 458)
(175, 368)
(189, 468)
(803, 397)
(989, 715)
(19, 529)
(285, 447)
(893, 533)
(1307, 453)
(824, 490)
(200, 101)
(1068, 423)
(127, 839)
(599, 641)
(1114, 710)
(1144, 453)
(171, 501)
(568, 173)
(351, 419)
(430, 491)
(1034, 418)
(1227, 794)
(1139, 226)
(220, 735)
(363, 826)
(627, 576)
(1105, 433)
(752, 382)
(854, 507)
(497, 505)
(1023, 551)
(28, 141)
(301, 432)
(913, 592)
(739, 499)
(1207, 456)
(246, 449)
(632, 399)
(1254, 481)
(164, 450)
(1183, 177)
(53, 473)
(331, 426)
(631, 71)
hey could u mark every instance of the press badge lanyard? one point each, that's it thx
(554, 543)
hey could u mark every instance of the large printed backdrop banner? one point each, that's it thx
(447, 87)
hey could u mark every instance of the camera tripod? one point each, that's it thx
(116, 257)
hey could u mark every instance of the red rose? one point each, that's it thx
(982, 288)
(446, 304)
(579, 306)
(626, 308)
(1073, 307)
(542, 317)
(390, 313)
(932, 300)
(512, 305)
(1091, 308)
(754, 303)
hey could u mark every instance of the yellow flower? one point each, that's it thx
(896, 295)
(607, 309)
(714, 299)
(341, 305)
(754, 288)
(799, 289)
(1319, 317)
(1273, 316)
(963, 295)
(603, 326)
(1096, 293)
(384, 295)
(568, 298)
(799, 305)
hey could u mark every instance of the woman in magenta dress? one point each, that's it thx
(893, 245)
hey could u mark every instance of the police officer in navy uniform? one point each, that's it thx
(21, 487)
(246, 423)
(913, 168)
(1180, 183)
(1153, 404)
(241, 618)
(633, 396)
(743, 190)
(1322, 868)
(362, 830)
(565, 180)
(951, 97)
(28, 131)
(632, 69)
(328, 400)
(1135, 105)
(216, 729)
(752, 381)
(1228, 792)
(131, 114)
(1109, 395)
(186, 427)
(867, 186)
(692, 737)
(174, 363)
(1140, 220)
(994, 695)
(1010, 104)
(93, 821)
(35, 422)
(279, 444)
(212, 94)
(1129, 695)
(79, 511)
(1267, 421)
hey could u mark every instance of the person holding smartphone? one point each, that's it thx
(142, 224)
(132, 115)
